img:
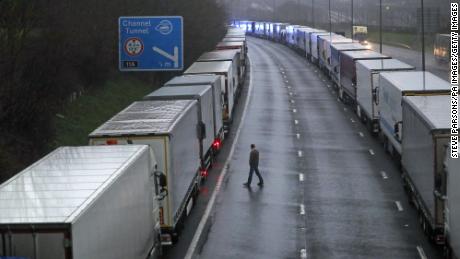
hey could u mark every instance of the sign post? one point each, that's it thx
(151, 43)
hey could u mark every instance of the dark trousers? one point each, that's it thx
(251, 171)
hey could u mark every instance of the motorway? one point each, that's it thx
(414, 58)
(330, 190)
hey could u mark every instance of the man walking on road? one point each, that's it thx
(254, 166)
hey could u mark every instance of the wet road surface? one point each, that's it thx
(330, 190)
(414, 58)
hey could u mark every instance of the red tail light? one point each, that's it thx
(216, 144)
(204, 173)
(111, 142)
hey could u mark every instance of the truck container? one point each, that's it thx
(324, 49)
(307, 36)
(392, 87)
(348, 59)
(367, 84)
(452, 209)
(237, 39)
(290, 35)
(426, 133)
(171, 129)
(279, 31)
(239, 45)
(259, 29)
(206, 110)
(215, 81)
(336, 51)
(82, 203)
(225, 69)
(232, 55)
(301, 37)
(314, 48)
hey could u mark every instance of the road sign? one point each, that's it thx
(151, 43)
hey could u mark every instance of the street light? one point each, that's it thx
(423, 36)
(380, 26)
(352, 20)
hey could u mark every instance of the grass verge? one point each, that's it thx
(81, 117)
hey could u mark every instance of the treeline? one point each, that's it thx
(53, 50)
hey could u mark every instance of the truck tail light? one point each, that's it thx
(216, 144)
(111, 142)
(204, 173)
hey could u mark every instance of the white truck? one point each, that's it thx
(336, 51)
(348, 59)
(367, 85)
(82, 203)
(452, 205)
(308, 33)
(426, 133)
(324, 49)
(170, 128)
(239, 45)
(232, 55)
(215, 81)
(230, 80)
(314, 47)
(207, 110)
(392, 87)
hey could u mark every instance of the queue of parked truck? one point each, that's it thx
(127, 194)
(408, 110)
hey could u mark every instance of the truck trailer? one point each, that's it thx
(452, 205)
(239, 45)
(348, 59)
(426, 133)
(225, 69)
(393, 86)
(171, 129)
(232, 55)
(206, 115)
(336, 51)
(367, 85)
(82, 203)
(314, 47)
(324, 49)
(215, 81)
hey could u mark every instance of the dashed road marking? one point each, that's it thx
(371, 152)
(352, 121)
(303, 253)
(297, 135)
(421, 252)
(345, 109)
(384, 175)
(290, 93)
(301, 177)
(294, 110)
(296, 122)
(399, 206)
(292, 101)
(299, 153)
(302, 209)
(338, 100)
(361, 134)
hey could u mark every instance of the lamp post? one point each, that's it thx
(313, 13)
(380, 26)
(352, 20)
(423, 36)
(330, 19)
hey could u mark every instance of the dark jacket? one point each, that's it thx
(254, 158)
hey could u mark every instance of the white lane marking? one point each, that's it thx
(294, 110)
(384, 175)
(286, 81)
(399, 206)
(353, 121)
(324, 80)
(361, 134)
(296, 122)
(282, 72)
(289, 87)
(371, 152)
(301, 177)
(303, 253)
(329, 86)
(292, 101)
(338, 100)
(193, 245)
(302, 209)
(345, 109)
(299, 153)
(290, 93)
(421, 253)
(297, 136)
